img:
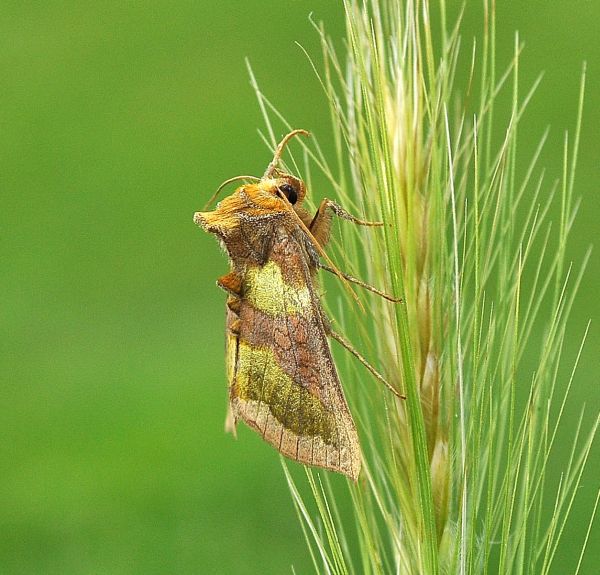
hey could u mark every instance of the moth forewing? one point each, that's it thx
(284, 381)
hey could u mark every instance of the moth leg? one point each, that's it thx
(345, 343)
(234, 304)
(231, 283)
(230, 422)
(356, 281)
(321, 222)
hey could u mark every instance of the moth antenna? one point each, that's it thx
(322, 252)
(271, 167)
(225, 183)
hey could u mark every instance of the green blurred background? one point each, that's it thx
(118, 120)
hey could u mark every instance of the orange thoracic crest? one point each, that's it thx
(263, 199)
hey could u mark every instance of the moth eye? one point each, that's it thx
(289, 192)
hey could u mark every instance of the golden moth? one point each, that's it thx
(282, 379)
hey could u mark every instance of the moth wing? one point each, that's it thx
(283, 382)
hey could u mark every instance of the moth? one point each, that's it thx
(282, 379)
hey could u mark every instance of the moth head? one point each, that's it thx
(279, 192)
(291, 188)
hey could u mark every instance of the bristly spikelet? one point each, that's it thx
(456, 477)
